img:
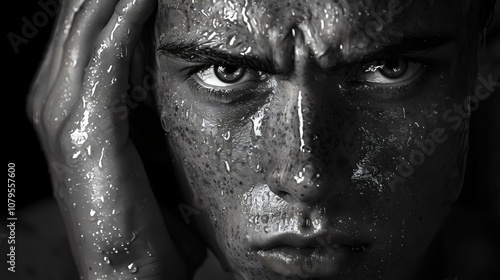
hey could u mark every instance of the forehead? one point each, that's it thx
(259, 26)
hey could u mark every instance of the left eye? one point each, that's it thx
(388, 72)
(220, 76)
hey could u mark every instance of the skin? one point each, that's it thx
(98, 178)
(307, 146)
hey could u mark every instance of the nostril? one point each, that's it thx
(282, 194)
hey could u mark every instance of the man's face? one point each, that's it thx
(318, 139)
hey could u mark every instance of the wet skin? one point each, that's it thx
(312, 141)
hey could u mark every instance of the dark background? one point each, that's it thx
(22, 145)
(475, 224)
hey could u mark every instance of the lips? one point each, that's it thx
(315, 255)
(297, 240)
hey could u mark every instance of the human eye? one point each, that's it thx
(225, 83)
(388, 79)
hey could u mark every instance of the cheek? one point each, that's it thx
(219, 161)
(414, 143)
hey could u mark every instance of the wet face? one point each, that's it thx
(317, 139)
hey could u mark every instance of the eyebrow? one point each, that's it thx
(209, 55)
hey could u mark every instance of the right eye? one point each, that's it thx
(225, 77)
(229, 74)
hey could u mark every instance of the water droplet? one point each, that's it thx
(299, 177)
(106, 260)
(74, 204)
(306, 149)
(93, 215)
(231, 40)
(258, 167)
(257, 124)
(132, 268)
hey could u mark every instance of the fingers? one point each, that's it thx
(91, 18)
(117, 226)
(58, 81)
(46, 75)
(72, 52)
(114, 224)
(106, 80)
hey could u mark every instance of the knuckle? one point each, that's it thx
(32, 108)
(48, 119)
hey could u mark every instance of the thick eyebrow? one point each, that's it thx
(205, 54)
(209, 55)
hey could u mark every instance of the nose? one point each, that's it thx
(300, 127)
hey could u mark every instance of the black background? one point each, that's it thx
(478, 207)
(22, 145)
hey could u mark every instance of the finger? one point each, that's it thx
(72, 55)
(116, 212)
(51, 63)
(64, 22)
(107, 76)
(89, 21)
(53, 57)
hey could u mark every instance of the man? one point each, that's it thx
(312, 139)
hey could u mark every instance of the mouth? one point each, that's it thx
(310, 256)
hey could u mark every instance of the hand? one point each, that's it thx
(114, 223)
